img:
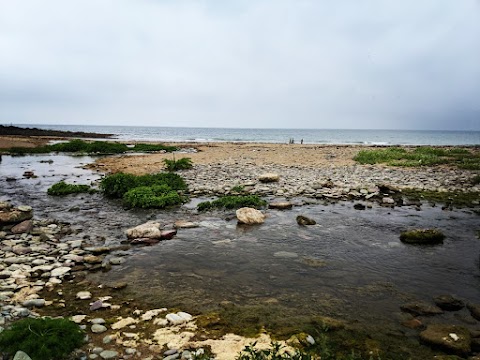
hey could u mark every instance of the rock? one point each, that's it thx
(96, 305)
(359, 206)
(450, 338)
(388, 201)
(422, 236)
(175, 319)
(98, 328)
(100, 321)
(84, 295)
(303, 220)
(151, 230)
(20, 355)
(285, 254)
(108, 354)
(77, 319)
(421, 309)
(60, 271)
(250, 216)
(5, 205)
(448, 303)
(172, 357)
(281, 205)
(167, 234)
(123, 322)
(14, 216)
(269, 178)
(118, 285)
(28, 174)
(23, 227)
(412, 323)
(92, 259)
(34, 303)
(98, 250)
(181, 224)
(185, 316)
(144, 241)
(474, 310)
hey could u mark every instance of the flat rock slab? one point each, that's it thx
(450, 338)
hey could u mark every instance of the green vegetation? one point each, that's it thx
(155, 196)
(116, 185)
(455, 199)
(421, 156)
(180, 164)
(233, 202)
(422, 236)
(42, 339)
(275, 352)
(238, 188)
(62, 188)
(95, 147)
(145, 191)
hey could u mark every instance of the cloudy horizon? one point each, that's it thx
(263, 64)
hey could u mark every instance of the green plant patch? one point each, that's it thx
(155, 196)
(456, 199)
(62, 188)
(180, 164)
(42, 339)
(153, 148)
(421, 156)
(233, 202)
(116, 185)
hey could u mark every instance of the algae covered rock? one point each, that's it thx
(450, 338)
(303, 220)
(422, 236)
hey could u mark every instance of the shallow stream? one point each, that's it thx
(351, 265)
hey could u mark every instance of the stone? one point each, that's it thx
(98, 328)
(474, 310)
(359, 206)
(175, 319)
(84, 295)
(98, 250)
(448, 303)
(92, 259)
(116, 261)
(150, 314)
(34, 303)
(144, 241)
(452, 339)
(388, 201)
(250, 216)
(98, 321)
(60, 271)
(96, 305)
(20, 355)
(280, 205)
(23, 227)
(167, 234)
(172, 357)
(185, 316)
(150, 229)
(420, 308)
(108, 354)
(422, 237)
(181, 224)
(77, 319)
(303, 220)
(269, 178)
(123, 323)
(14, 216)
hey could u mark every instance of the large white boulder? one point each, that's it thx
(250, 216)
(151, 230)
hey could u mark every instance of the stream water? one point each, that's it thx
(351, 265)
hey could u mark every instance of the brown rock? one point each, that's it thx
(281, 205)
(303, 220)
(14, 216)
(23, 227)
(91, 259)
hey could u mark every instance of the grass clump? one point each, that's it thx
(233, 202)
(420, 156)
(42, 339)
(153, 148)
(180, 164)
(454, 199)
(422, 236)
(156, 196)
(275, 352)
(116, 185)
(62, 188)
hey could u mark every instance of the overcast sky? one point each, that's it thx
(221, 63)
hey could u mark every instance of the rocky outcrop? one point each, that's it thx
(250, 216)
(450, 338)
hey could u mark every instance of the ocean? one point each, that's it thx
(309, 136)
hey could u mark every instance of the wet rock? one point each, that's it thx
(250, 216)
(359, 206)
(421, 309)
(269, 178)
(181, 224)
(450, 338)
(98, 328)
(167, 234)
(281, 205)
(23, 227)
(98, 250)
(422, 237)
(151, 230)
(448, 303)
(144, 241)
(413, 323)
(303, 220)
(474, 310)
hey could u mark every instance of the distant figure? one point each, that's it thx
(301, 142)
